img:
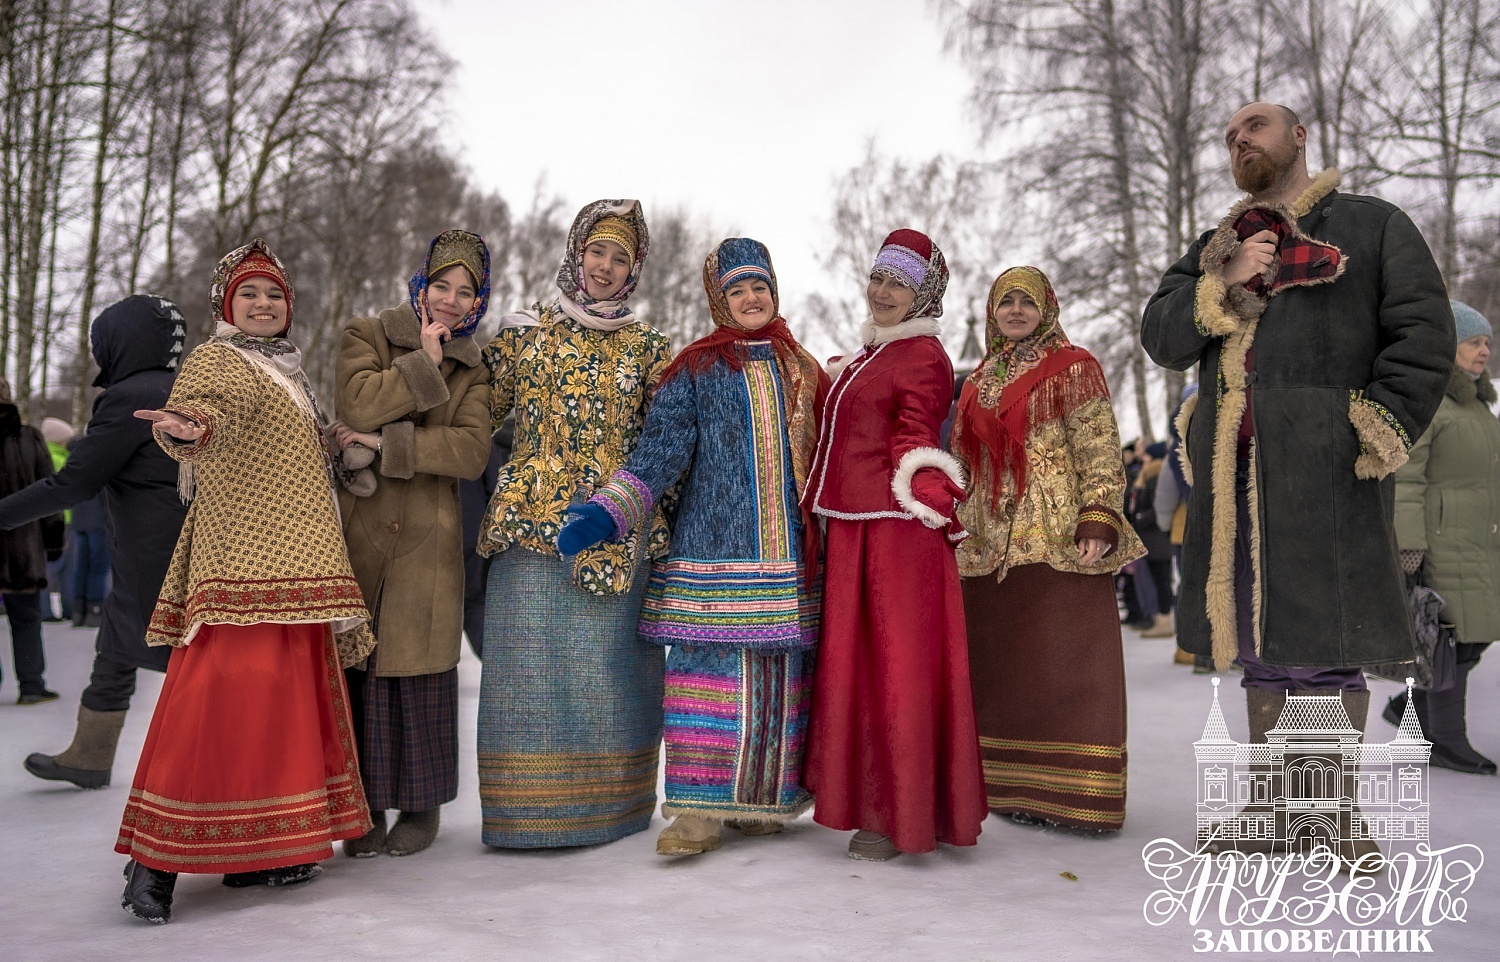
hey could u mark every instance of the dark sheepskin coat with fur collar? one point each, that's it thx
(1341, 368)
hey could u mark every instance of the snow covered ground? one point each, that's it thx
(789, 897)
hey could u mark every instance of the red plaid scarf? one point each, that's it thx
(1303, 260)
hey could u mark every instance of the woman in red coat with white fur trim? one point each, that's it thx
(892, 747)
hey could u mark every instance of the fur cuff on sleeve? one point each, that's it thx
(1383, 442)
(1210, 311)
(913, 461)
(836, 365)
(424, 379)
(398, 449)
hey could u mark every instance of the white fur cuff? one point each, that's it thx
(913, 461)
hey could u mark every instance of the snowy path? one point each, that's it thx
(788, 897)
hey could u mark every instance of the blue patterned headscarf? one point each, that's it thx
(741, 258)
(454, 247)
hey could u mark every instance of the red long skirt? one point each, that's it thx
(892, 746)
(250, 762)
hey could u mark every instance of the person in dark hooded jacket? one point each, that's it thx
(137, 344)
(24, 553)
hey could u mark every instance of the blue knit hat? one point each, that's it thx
(1469, 322)
(741, 258)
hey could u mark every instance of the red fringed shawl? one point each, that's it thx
(1065, 378)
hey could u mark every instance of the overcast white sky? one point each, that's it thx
(744, 112)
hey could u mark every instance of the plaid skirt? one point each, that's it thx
(570, 709)
(408, 738)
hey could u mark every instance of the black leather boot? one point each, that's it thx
(148, 893)
(287, 875)
(1447, 729)
(1394, 709)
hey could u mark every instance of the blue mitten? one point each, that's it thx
(588, 525)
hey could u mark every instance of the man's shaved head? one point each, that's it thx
(1265, 146)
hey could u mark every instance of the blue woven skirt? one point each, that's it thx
(570, 709)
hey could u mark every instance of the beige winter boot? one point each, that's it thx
(370, 844)
(1161, 627)
(688, 835)
(87, 762)
(755, 828)
(869, 846)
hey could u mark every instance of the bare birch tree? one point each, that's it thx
(947, 199)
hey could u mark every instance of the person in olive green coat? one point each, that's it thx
(411, 387)
(1448, 527)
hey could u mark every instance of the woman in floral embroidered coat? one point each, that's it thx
(570, 703)
(249, 767)
(1046, 536)
(411, 386)
(736, 598)
(891, 746)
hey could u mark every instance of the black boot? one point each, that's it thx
(1394, 709)
(148, 893)
(1447, 729)
(94, 617)
(288, 875)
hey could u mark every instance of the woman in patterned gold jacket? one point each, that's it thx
(570, 704)
(1037, 431)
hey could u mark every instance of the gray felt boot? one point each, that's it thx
(369, 844)
(87, 762)
(413, 832)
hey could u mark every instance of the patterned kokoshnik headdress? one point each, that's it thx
(610, 315)
(911, 258)
(454, 248)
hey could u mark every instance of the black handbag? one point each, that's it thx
(1434, 665)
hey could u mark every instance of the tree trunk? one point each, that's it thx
(84, 360)
(1130, 254)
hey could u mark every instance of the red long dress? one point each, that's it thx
(249, 763)
(892, 744)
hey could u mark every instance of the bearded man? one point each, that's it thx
(1326, 341)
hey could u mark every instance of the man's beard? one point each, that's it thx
(1262, 171)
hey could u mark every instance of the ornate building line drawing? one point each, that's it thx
(1313, 782)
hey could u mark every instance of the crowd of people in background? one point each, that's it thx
(831, 587)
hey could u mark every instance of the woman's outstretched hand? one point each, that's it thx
(172, 424)
(589, 525)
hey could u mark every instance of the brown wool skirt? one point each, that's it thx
(1049, 693)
